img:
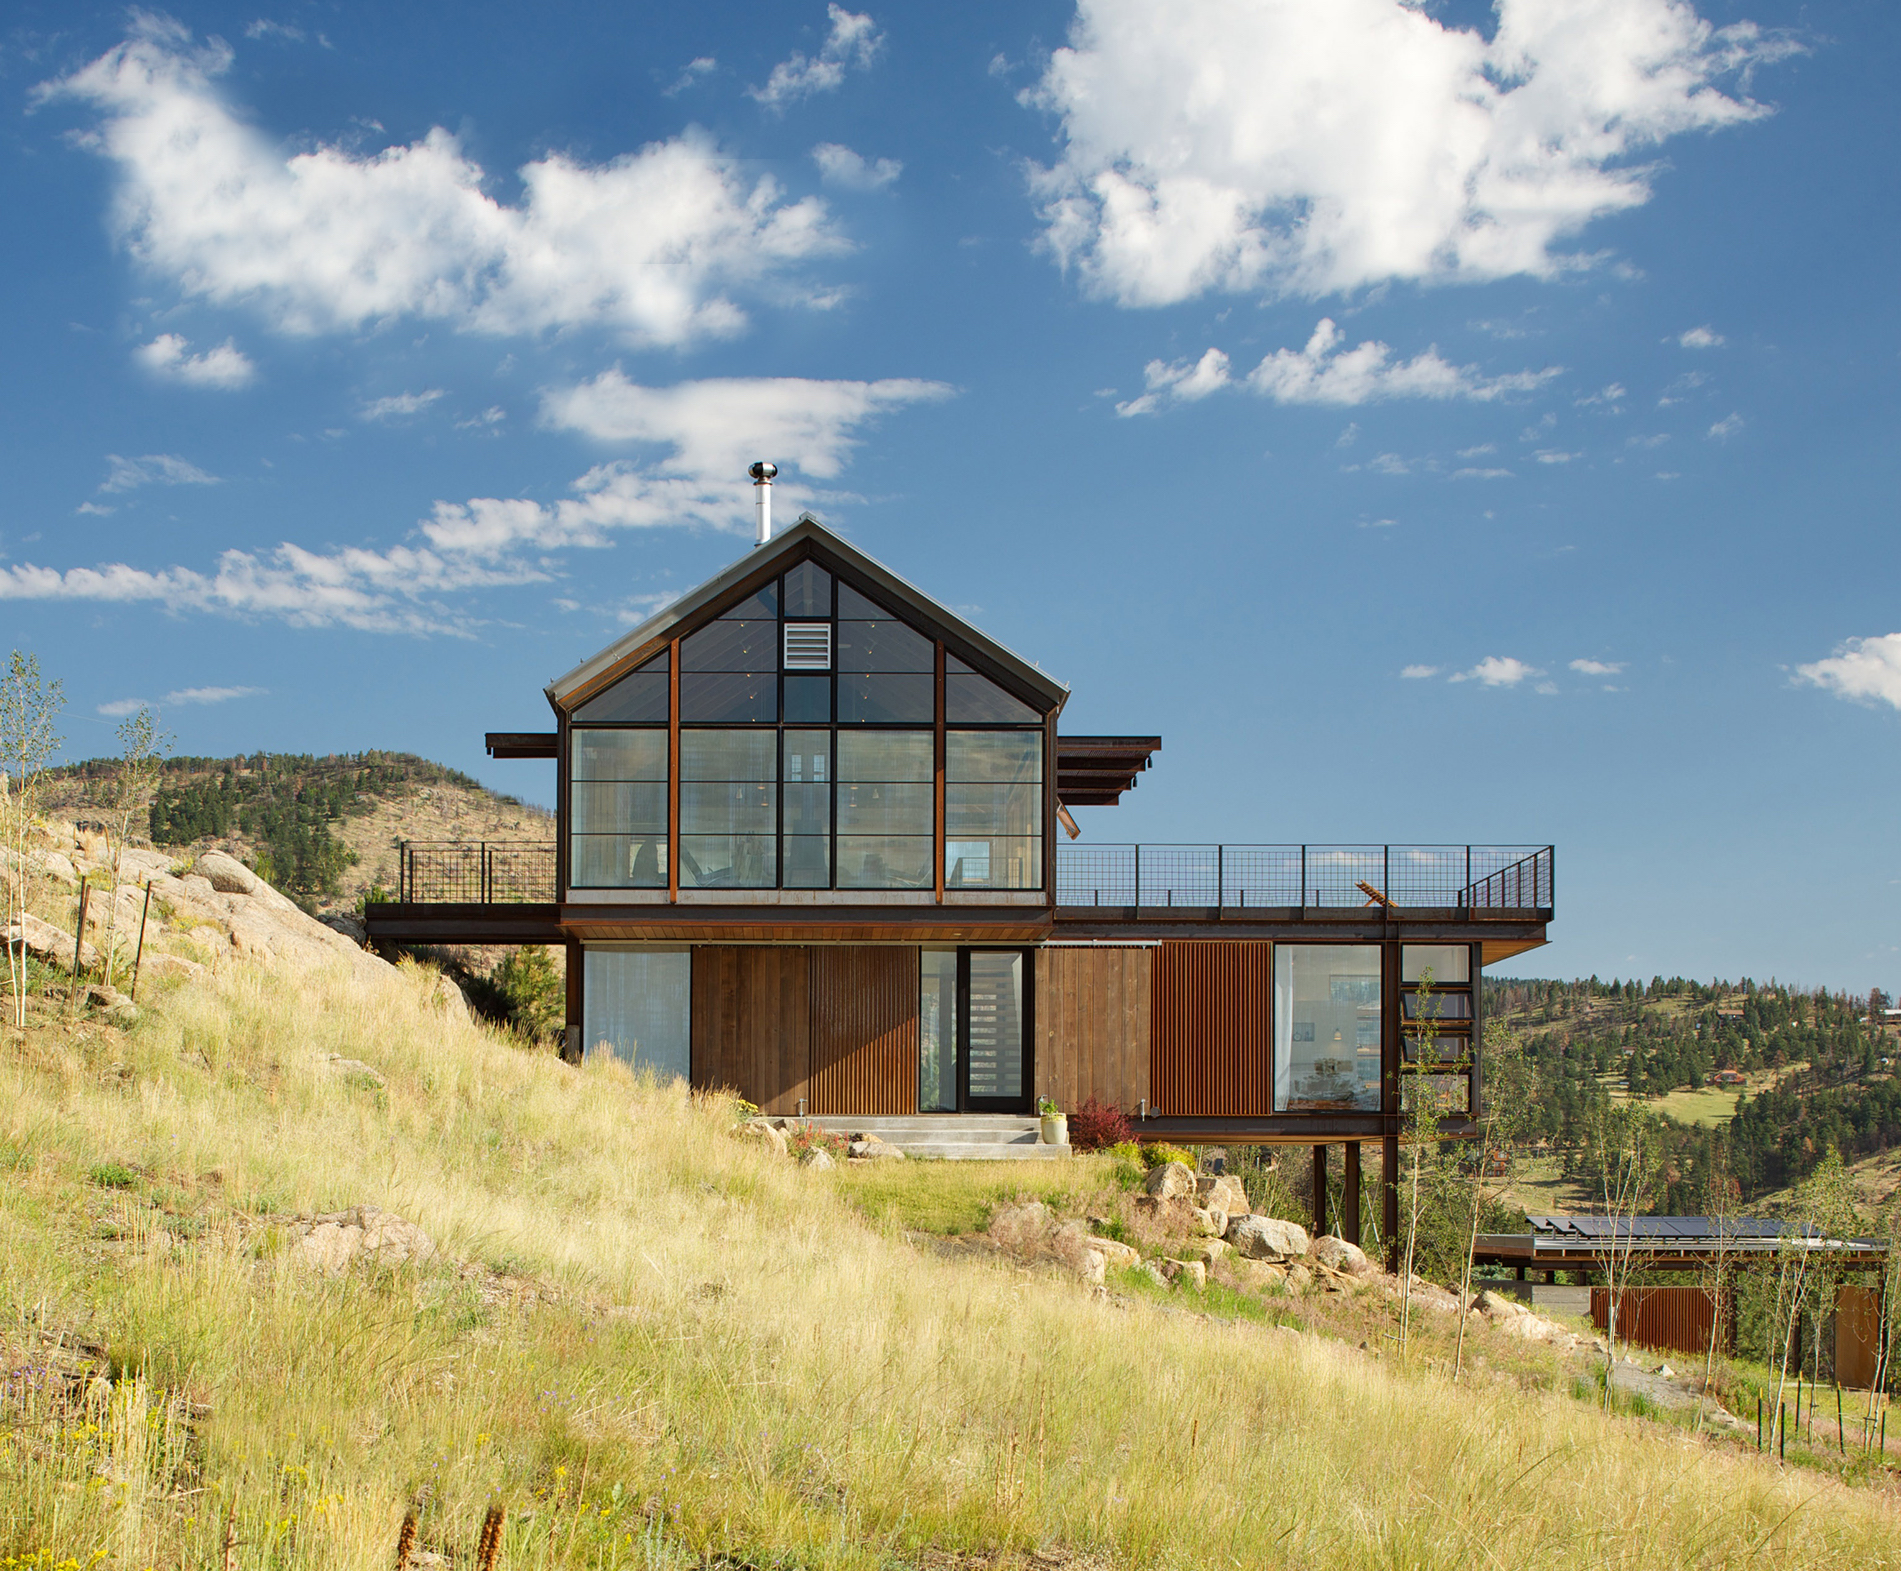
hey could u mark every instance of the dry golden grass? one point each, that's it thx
(728, 1358)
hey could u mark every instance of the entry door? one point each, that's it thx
(994, 1068)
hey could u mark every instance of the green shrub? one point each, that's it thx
(533, 993)
(1157, 1154)
(114, 1175)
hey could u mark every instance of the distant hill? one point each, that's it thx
(324, 830)
(1817, 1069)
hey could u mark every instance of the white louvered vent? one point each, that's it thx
(808, 646)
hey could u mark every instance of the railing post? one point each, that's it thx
(1465, 892)
(1303, 878)
(1221, 876)
(1138, 875)
(1386, 878)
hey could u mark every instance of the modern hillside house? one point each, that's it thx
(814, 844)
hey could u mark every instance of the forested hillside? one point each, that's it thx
(324, 830)
(1803, 1070)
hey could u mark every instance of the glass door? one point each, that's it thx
(995, 1063)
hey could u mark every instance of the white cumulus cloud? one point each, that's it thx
(699, 437)
(646, 245)
(1312, 146)
(1498, 671)
(1597, 667)
(853, 41)
(1701, 338)
(1415, 673)
(1326, 372)
(1865, 669)
(169, 356)
(838, 165)
(1727, 427)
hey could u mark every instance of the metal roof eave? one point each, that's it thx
(808, 528)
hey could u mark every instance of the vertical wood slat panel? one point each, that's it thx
(751, 1023)
(864, 1033)
(1093, 1014)
(1210, 1049)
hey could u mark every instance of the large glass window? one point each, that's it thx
(993, 809)
(729, 809)
(799, 667)
(637, 1005)
(1326, 1028)
(729, 669)
(886, 671)
(885, 810)
(639, 698)
(618, 802)
(808, 810)
(937, 1031)
(971, 699)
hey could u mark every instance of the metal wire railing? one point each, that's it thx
(475, 872)
(1470, 877)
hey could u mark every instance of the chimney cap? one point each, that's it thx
(763, 473)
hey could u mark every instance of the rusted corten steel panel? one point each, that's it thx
(1092, 1015)
(752, 1023)
(864, 1029)
(1209, 1042)
(1673, 1318)
(1857, 1336)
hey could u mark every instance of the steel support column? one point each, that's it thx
(1350, 1195)
(1320, 1192)
(1389, 1199)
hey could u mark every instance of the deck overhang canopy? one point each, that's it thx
(521, 744)
(1667, 1243)
(1094, 771)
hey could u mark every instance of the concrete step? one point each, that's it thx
(960, 1137)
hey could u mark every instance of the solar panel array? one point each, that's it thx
(1665, 1230)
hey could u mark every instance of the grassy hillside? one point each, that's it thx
(324, 830)
(656, 1345)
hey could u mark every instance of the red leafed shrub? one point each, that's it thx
(1093, 1127)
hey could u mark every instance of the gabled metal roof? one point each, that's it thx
(807, 538)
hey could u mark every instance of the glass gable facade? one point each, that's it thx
(812, 755)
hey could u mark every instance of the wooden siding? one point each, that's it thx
(1209, 1045)
(752, 1023)
(1092, 1021)
(864, 1029)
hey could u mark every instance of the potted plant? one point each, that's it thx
(1055, 1122)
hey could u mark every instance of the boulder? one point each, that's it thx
(1169, 1180)
(1338, 1254)
(448, 999)
(1153, 1272)
(1118, 1254)
(816, 1158)
(1267, 1238)
(1185, 1273)
(1222, 1191)
(1094, 1269)
(53, 865)
(1255, 1276)
(1299, 1278)
(349, 926)
(45, 942)
(1498, 1307)
(760, 1132)
(355, 1068)
(1212, 1249)
(173, 965)
(1210, 1221)
(333, 1242)
(869, 1148)
(228, 875)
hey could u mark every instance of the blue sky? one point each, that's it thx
(1439, 422)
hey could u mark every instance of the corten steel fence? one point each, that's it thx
(1472, 877)
(1672, 1318)
(475, 872)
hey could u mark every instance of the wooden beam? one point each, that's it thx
(520, 744)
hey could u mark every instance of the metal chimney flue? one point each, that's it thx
(762, 477)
